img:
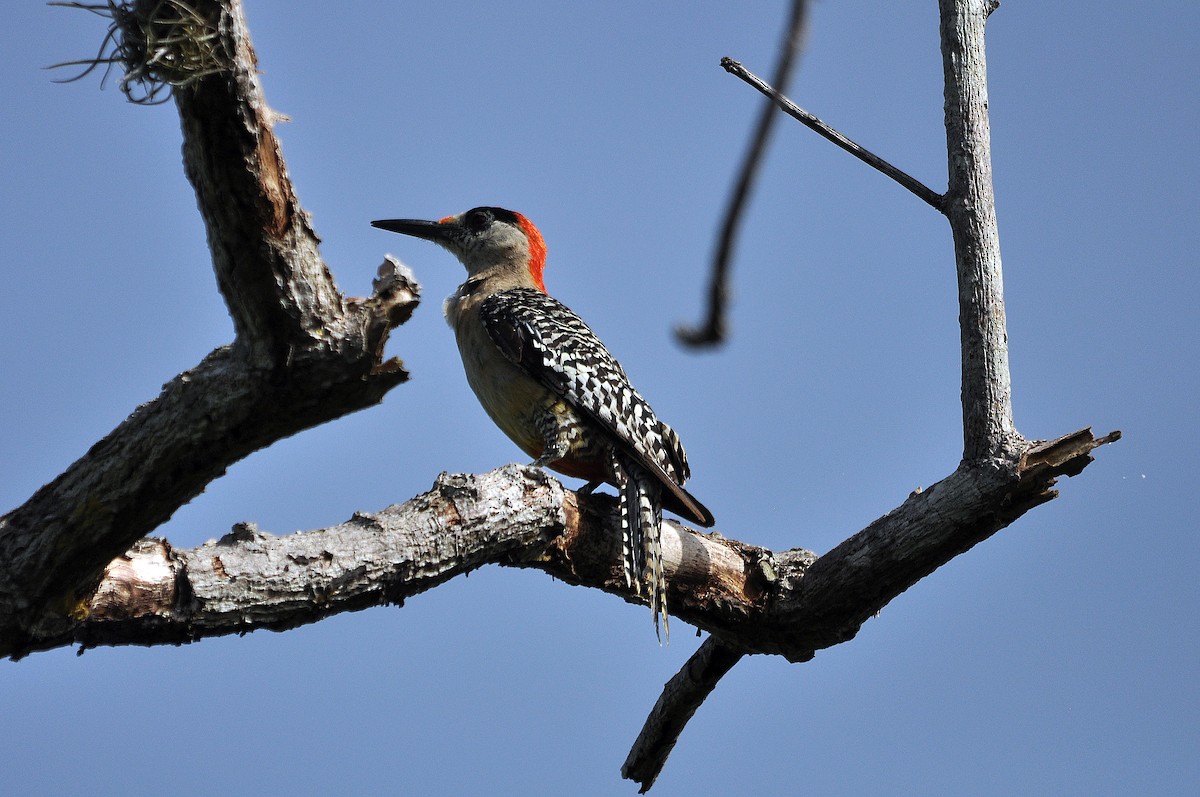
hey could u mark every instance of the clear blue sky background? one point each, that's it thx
(1060, 657)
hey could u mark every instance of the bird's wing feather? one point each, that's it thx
(545, 338)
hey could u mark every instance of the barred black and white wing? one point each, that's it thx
(546, 339)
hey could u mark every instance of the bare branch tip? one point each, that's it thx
(391, 269)
(392, 368)
(395, 293)
(707, 336)
(393, 278)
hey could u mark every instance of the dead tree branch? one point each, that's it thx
(1001, 475)
(516, 516)
(922, 191)
(304, 353)
(714, 327)
(681, 697)
(813, 605)
(789, 603)
(970, 206)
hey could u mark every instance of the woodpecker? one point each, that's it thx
(549, 383)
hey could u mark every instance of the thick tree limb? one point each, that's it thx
(304, 354)
(277, 287)
(790, 603)
(825, 602)
(248, 580)
(516, 516)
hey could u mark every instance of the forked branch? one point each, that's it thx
(1001, 475)
(923, 192)
(304, 353)
(751, 599)
(71, 569)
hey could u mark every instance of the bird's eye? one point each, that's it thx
(478, 219)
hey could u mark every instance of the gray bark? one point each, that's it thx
(304, 355)
(72, 568)
(970, 206)
(1001, 475)
(753, 600)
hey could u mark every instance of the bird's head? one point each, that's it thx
(484, 239)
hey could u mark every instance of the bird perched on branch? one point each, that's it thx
(550, 384)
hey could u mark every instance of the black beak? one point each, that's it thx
(435, 231)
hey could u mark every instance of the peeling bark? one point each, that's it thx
(754, 600)
(74, 569)
(304, 355)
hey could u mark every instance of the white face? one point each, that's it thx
(484, 241)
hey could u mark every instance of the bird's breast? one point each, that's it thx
(511, 397)
(517, 402)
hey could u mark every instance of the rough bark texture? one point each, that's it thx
(814, 604)
(970, 206)
(72, 569)
(1001, 475)
(249, 580)
(304, 355)
(681, 697)
(790, 603)
(278, 290)
(516, 516)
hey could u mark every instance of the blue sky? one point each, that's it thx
(1058, 657)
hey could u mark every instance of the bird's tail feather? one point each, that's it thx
(626, 499)
(640, 509)
(650, 522)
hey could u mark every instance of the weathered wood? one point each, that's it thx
(304, 354)
(249, 580)
(1001, 475)
(516, 516)
(970, 206)
(754, 600)
(681, 697)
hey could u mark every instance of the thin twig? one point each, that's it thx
(927, 194)
(715, 326)
(680, 698)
